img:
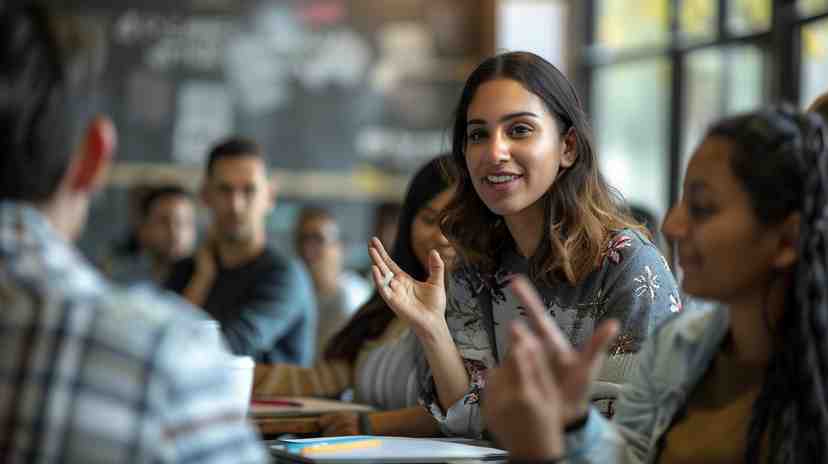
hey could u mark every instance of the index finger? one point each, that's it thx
(548, 330)
(376, 244)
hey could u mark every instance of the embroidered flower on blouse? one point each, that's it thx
(477, 373)
(614, 247)
(664, 261)
(675, 304)
(624, 344)
(647, 283)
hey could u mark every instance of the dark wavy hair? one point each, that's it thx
(371, 320)
(581, 208)
(48, 66)
(820, 106)
(780, 158)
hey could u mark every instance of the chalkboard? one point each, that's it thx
(345, 97)
(320, 84)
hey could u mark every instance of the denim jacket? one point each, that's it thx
(671, 363)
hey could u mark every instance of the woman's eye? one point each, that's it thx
(520, 130)
(700, 211)
(476, 135)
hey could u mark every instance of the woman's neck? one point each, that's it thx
(526, 228)
(752, 339)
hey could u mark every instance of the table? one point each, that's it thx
(297, 415)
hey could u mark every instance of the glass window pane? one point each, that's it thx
(698, 19)
(720, 81)
(812, 7)
(631, 24)
(814, 61)
(631, 118)
(747, 16)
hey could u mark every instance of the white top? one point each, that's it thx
(386, 373)
(352, 292)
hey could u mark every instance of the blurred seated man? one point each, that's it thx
(339, 293)
(166, 234)
(89, 372)
(263, 301)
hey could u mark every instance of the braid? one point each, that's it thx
(792, 406)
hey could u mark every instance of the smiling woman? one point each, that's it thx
(529, 199)
(744, 381)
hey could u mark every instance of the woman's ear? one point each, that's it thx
(569, 145)
(788, 253)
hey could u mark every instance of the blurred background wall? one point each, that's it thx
(349, 96)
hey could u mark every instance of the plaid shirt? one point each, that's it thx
(90, 372)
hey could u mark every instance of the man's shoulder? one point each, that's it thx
(149, 304)
(127, 315)
(273, 258)
(278, 264)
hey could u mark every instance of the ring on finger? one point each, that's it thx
(386, 281)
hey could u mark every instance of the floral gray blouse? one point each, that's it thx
(633, 285)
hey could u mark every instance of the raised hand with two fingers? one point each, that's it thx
(543, 383)
(572, 369)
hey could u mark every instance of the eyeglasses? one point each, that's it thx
(319, 238)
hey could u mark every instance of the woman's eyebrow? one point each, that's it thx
(504, 117)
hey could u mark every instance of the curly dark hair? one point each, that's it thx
(779, 156)
(581, 209)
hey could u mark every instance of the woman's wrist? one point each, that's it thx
(433, 333)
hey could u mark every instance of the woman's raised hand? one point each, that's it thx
(544, 382)
(421, 304)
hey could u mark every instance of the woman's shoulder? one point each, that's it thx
(625, 245)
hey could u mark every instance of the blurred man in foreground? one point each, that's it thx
(89, 372)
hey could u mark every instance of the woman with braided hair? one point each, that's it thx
(746, 381)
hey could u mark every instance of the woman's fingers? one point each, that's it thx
(390, 264)
(546, 328)
(600, 341)
(436, 269)
(378, 261)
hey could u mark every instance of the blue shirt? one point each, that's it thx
(91, 372)
(266, 307)
(671, 364)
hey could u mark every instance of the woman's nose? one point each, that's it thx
(674, 226)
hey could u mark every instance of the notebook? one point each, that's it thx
(373, 449)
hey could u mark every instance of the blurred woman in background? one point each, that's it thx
(375, 353)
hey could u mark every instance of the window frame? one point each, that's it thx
(781, 44)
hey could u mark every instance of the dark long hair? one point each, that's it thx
(371, 320)
(581, 209)
(780, 158)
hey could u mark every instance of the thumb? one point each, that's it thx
(436, 269)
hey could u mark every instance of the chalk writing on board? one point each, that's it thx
(400, 147)
(204, 114)
(339, 57)
(258, 78)
(191, 42)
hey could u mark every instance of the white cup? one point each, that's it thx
(242, 368)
